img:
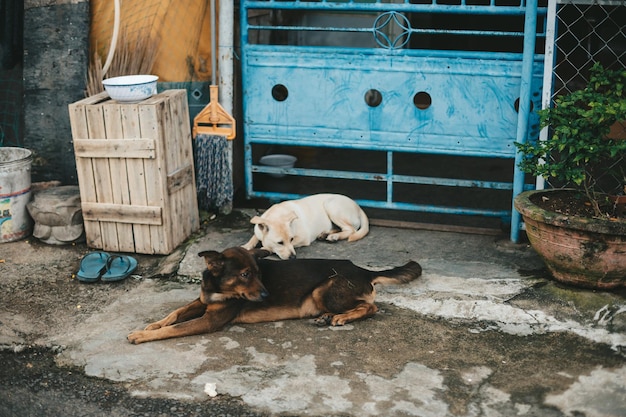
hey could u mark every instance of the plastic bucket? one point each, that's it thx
(15, 166)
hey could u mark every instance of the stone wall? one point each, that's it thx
(56, 42)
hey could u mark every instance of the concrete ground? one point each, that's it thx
(484, 332)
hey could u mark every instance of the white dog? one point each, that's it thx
(295, 223)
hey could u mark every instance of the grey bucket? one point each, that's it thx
(15, 170)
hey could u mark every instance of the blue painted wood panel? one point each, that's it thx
(472, 111)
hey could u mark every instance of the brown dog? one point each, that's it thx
(239, 287)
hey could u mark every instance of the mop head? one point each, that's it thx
(213, 173)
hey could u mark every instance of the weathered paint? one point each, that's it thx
(472, 112)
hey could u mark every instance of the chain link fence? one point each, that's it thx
(589, 32)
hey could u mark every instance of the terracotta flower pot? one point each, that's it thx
(580, 251)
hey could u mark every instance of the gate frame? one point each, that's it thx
(530, 62)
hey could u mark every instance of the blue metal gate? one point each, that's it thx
(458, 78)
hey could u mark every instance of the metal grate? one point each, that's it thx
(426, 25)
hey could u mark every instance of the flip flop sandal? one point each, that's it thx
(92, 266)
(118, 267)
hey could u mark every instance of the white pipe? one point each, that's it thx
(226, 80)
(548, 74)
(114, 36)
(225, 58)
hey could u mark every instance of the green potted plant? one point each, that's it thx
(578, 226)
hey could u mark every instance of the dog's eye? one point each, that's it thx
(280, 242)
(245, 275)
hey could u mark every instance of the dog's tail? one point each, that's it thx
(398, 275)
(363, 230)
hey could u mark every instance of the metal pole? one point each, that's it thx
(530, 23)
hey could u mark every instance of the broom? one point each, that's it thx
(212, 128)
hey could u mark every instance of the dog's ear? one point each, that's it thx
(259, 221)
(292, 216)
(214, 261)
(260, 253)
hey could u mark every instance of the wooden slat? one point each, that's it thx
(173, 163)
(170, 113)
(179, 179)
(85, 172)
(93, 100)
(102, 175)
(137, 178)
(122, 213)
(150, 117)
(436, 227)
(119, 174)
(115, 148)
(186, 199)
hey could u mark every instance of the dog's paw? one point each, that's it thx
(135, 337)
(328, 238)
(153, 326)
(322, 237)
(324, 319)
(339, 320)
(331, 236)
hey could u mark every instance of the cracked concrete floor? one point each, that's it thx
(484, 332)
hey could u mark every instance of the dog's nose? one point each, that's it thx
(264, 294)
(292, 256)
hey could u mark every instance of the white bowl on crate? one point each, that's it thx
(278, 161)
(131, 88)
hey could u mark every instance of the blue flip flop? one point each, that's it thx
(118, 267)
(92, 266)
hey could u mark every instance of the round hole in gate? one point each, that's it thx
(422, 100)
(196, 93)
(516, 104)
(373, 97)
(280, 92)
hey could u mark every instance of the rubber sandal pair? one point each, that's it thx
(103, 266)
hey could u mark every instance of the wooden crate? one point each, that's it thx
(135, 172)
